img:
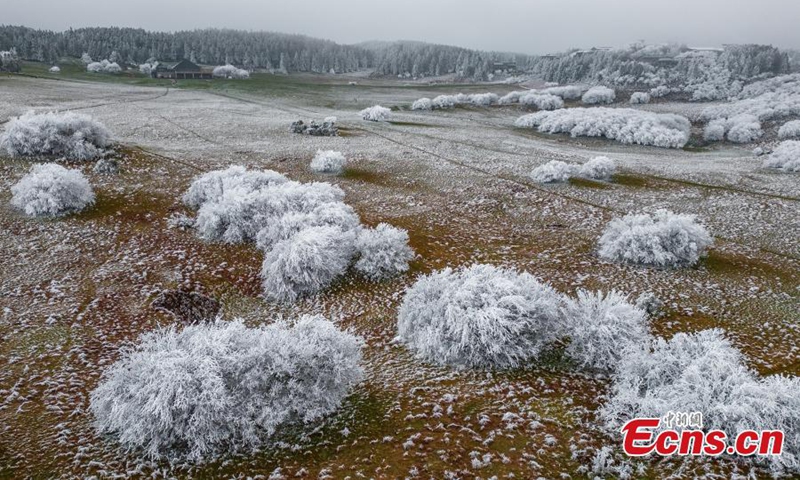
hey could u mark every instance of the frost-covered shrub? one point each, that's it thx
(211, 186)
(70, 135)
(660, 91)
(55, 69)
(106, 166)
(786, 157)
(601, 326)
(482, 99)
(789, 129)
(383, 251)
(422, 104)
(638, 98)
(553, 171)
(542, 101)
(328, 161)
(621, 124)
(306, 263)
(103, 67)
(52, 190)
(567, 92)
(210, 389)
(598, 168)
(444, 101)
(599, 95)
(663, 239)
(703, 372)
(743, 128)
(480, 316)
(376, 114)
(714, 131)
(284, 227)
(511, 97)
(229, 71)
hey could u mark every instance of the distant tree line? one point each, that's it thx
(275, 51)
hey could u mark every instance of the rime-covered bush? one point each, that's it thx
(422, 104)
(789, 130)
(103, 67)
(660, 91)
(512, 97)
(567, 92)
(553, 171)
(598, 168)
(786, 157)
(211, 186)
(599, 95)
(663, 239)
(542, 101)
(215, 388)
(50, 190)
(703, 372)
(54, 69)
(306, 263)
(376, 113)
(638, 98)
(624, 125)
(383, 252)
(284, 227)
(444, 101)
(328, 161)
(229, 71)
(70, 135)
(482, 99)
(601, 327)
(743, 128)
(479, 316)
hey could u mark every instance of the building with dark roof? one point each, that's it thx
(183, 70)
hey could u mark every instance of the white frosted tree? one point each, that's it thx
(52, 190)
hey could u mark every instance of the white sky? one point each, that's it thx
(529, 26)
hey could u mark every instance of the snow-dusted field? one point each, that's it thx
(74, 290)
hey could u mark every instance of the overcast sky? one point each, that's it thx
(530, 26)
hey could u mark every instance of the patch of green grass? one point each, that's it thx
(588, 183)
(412, 124)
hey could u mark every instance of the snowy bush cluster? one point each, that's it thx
(148, 68)
(786, 157)
(663, 239)
(422, 104)
(52, 190)
(568, 92)
(328, 161)
(638, 98)
(544, 101)
(770, 99)
(309, 236)
(598, 168)
(376, 113)
(599, 95)
(229, 71)
(660, 91)
(442, 102)
(103, 67)
(218, 387)
(742, 128)
(55, 69)
(790, 129)
(70, 135)
(621, 124)
(703, 372)
(481, 316)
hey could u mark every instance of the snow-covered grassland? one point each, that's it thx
(229, 71)
(599, 95)
(71, 135)
(376, 113)
(786, 157)
(621, 124)
(211, 389)
(77, 291)
(481, 316)
(661, 239)
(328, 161)
(50, 190)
